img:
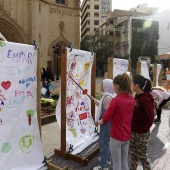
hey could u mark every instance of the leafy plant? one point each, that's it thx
(145, 42)
(48, 102)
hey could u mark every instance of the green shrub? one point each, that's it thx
(48, 102)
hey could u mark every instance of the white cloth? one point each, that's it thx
(108, 90)
(160, 95)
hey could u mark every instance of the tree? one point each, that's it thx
(144, 40)
(103, 47)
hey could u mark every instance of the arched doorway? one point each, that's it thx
(11, 31)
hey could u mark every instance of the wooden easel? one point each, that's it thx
(62, 152)
(110, 67)
(38, 90)
(49, 164)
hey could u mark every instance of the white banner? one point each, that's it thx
(80, 128)
(20, 141)
(144, 70)
(157, 73)
(120, 66)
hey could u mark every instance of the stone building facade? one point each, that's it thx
(49, 22)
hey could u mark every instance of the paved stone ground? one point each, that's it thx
(159, 149)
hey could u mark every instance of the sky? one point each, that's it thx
(128, 4)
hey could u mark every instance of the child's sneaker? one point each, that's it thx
(99, 168)
(110, 162)
(156, 121)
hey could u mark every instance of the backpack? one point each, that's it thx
(43, 90)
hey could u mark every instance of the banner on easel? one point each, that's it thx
(120, 66)
(157, 73)
(20, 141)
(145, 70)
(80, 128)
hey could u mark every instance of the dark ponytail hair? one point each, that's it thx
(144, 83)
(125, 82)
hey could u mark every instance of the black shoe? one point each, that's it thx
(156, 121)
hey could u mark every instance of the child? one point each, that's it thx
(48, 86)
(104, 136)
(161, 97)
(120, 113)
(141, 122)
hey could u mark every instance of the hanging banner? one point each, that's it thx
(145, 70)
(20, 143)
(120, 66)
(80, 127)
(157, 73)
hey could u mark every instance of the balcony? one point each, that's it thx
(118, 45)
(126, 43)
(117, 33)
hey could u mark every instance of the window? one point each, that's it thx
(96, 22)
(96, 15)
(110, 32)
(96, 7)
(88, 15)
(60, 2)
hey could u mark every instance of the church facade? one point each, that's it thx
(49, 22)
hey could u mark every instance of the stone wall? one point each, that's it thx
(45, 21)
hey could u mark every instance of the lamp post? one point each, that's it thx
(56, 50)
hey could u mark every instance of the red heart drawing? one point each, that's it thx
(6, 85)
(85, 91)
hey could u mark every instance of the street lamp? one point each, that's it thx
(57, 50)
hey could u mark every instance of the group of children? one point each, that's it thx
(125, 115)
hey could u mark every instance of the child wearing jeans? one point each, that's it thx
(120, 114)
(142, 120)
(104, 135)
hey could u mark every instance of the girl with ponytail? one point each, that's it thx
(120, 114)
(142, 120)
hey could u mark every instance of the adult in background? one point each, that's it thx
(161, 97)
(151, 73)
(120, 114)
(141, 122)
(50, 74)
(43, 74)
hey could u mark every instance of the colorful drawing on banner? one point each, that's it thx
(6, 147)
(1, 121)
(2, 44)
(20, 57)
(12, 71)
(6, 84)
(26, 144)
(30, 113)
(27, 81)
(70, 123)
(2, 100)
(2, 97)
(86, 66)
